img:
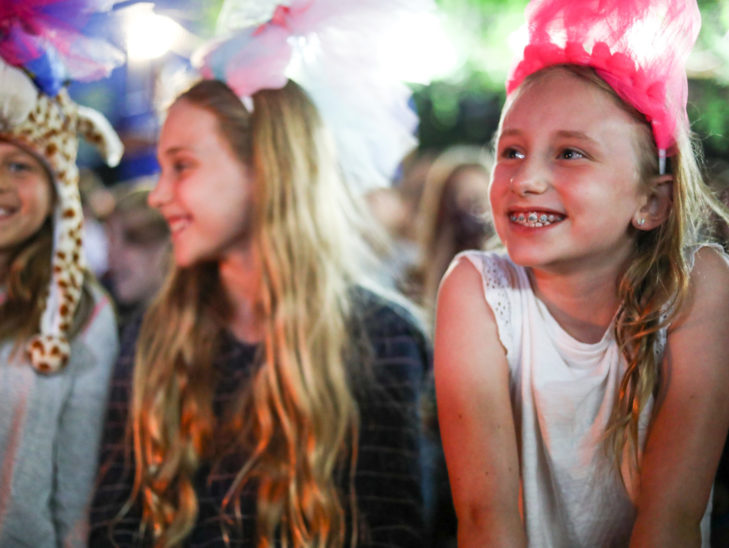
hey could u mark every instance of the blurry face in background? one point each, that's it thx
(138, 257)
(471, 191)
(25, 197)
(469, 207)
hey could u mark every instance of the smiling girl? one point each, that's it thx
(581, 376)
(57, 330)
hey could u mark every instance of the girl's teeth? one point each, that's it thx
(535, 219)
(177, 225)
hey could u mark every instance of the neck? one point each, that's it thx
(583, 303)
(240, 275)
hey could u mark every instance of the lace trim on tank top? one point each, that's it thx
(496, 282)
(498, 276)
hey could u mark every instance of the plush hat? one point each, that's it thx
(37, 114)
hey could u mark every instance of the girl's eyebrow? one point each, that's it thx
(508, 132)
(562, 133)
(174, 150)
(580, 135)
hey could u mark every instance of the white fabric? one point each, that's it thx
(562, 393)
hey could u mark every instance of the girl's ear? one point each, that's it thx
(657, 204)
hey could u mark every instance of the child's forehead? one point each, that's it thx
(560, 98)
(543, 118)
(555, 85)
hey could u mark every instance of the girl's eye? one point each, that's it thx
(512, 153)
(179, 167)
(19, 167)
(571, 154)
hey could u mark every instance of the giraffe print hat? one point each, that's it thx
(44, 45)
(49, 128)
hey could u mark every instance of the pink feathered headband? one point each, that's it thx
(639, 47)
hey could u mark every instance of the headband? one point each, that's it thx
(334, 49)
(639, 47)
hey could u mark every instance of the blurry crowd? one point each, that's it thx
(127, 242)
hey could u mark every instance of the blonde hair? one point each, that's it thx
(296, 419)
(655, 283)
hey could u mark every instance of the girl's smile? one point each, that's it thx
(535, 219)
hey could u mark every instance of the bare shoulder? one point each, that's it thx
(463, 310)
(461, 276)
(709, 286)
(698, 337)
(461, 280)
(711, 270)
(465, 324)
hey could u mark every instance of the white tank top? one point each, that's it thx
(562, 394)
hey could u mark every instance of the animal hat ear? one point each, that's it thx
(96, 130)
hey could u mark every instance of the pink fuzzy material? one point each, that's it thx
(639, 47)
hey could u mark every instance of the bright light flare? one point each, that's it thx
(149, 35)
(422, 51)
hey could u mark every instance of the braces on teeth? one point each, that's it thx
(534, 219)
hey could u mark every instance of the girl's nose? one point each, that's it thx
(160, 194)
(530, 178)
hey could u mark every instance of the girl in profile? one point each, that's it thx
(270, 394)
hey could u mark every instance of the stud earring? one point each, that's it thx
(641, 221)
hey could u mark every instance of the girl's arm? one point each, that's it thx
(691, 417)
(475, 415)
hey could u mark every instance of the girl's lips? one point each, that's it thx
(178, 223)
(535, 218)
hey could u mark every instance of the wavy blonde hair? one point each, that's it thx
(655, 283)
(296, 420)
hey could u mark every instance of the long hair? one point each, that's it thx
(296, 420)
(26, 284)
(655, 282)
